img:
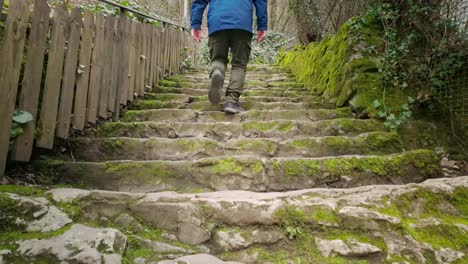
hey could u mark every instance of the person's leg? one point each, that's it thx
(241, 46)
(218, 44)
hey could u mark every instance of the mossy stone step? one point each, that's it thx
(264, 227)
(207, 106)
(206, 86)
(168, 97)
(281, 129)
(275, 92)
(265, 99)
(189, 115)
(252, 92)
(247, 173)
(156, 104)
(105, 149)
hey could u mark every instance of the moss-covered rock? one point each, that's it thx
(341, 70)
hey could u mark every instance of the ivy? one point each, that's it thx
(20, 118)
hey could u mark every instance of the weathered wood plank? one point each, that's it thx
(152, 51)
(12, 50)
(133, 61)
(31, 85)
(163, 52)
(122, 65)
(147, 55)
(142, 62)
(156, 55)
(160, 55)
(50, 97)
(113, 62)
(109, 26)
(82, 82)
(127, 72)
(69, 75)
(97, 64)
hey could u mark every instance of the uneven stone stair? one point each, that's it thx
(290, 180)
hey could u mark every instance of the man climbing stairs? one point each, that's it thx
(290, 180)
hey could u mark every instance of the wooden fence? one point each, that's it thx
(76, 67)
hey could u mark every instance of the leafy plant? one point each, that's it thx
(20, 118)
(393, 119)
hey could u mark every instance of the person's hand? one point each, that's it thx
(261, 35)
(196, 35)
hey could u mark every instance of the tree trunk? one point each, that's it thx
(309, 24)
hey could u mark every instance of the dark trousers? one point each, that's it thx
(240, 44)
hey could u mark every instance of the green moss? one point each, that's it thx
(281, 126)
(22, 190)
(13, 235)
(425, 161)
(231, 166)
(268, 146)
(300, 168)
(439, 236)
(155, 171)
(160, 97)
(112, 129)
(324, 215)
(339, 69)
(153, 104)
(356, 235)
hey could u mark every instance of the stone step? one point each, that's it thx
(189, 115)
(106, 149)
(281, 129)
(206, 86)
(246, 172)
(252, 92)
(372, 224)
(265, 99)
(207, 106)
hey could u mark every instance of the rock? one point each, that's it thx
(192, 234)
(67, 194)
(352, 248)
(80, 244)
(197, 259)
(229, 240)
(447, 255)
(160, 247)
(37, 214)
(359, 217)
(126, 220)
(139, 261)
(112, 259)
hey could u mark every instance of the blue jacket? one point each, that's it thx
(229, 14)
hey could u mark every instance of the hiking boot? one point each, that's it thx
(217, 81)
(233, 108)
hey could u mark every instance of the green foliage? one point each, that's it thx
(394, 119)
(20, 118)
(292, 220)
(107, 9)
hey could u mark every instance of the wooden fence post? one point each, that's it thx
(31, 85)
(96, 77)
(50, 97)
(128, 42)
(109, 27)
(69, 77)
(84, 69)
(122, 65)
(13, 44)
(132, 61)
